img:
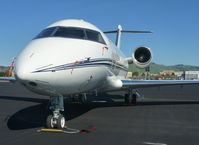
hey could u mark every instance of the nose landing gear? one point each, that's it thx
(56, 119)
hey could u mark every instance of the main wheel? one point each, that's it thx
(82, 99)
(127, 99)
(134, 99)
(49, 122)
(61, 121)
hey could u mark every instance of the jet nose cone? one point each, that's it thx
(22, 71)
(22, 75)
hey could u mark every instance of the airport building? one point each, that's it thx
(171, 72)
(192, 75)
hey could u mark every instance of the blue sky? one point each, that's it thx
(175, 24)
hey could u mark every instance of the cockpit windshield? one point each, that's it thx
(71, 32)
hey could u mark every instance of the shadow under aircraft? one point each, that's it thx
(34, 116)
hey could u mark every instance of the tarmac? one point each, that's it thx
(167, 116)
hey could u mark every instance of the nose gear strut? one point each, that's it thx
(56, 119)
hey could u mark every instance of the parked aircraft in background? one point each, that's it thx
(74, 57)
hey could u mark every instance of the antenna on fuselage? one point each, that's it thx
(119, 32)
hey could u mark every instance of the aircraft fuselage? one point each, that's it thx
(56, 63)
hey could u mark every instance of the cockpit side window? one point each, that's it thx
(94, 36)
(72, 32)
(46, 33)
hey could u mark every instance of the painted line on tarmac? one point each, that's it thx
(152, 143)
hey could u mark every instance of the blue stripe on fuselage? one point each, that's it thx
(85, 63)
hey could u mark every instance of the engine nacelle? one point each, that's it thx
(142, 57)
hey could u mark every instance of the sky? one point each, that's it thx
(175, 24)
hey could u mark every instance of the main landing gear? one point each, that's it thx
(83, 98)
(56, 119)
(80, 98)
(131, 97)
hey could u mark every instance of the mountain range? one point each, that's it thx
(156, 68)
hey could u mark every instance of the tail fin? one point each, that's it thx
(119, 32)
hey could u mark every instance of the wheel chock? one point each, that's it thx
(66, 130)
(50, 130)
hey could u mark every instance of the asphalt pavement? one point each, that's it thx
(167, 116)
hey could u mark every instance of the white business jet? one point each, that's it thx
(74, 57)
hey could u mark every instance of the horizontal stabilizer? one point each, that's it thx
(126, 31)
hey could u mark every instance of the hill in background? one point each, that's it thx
(156, 68)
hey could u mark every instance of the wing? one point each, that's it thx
(7, 79)
(155, 83)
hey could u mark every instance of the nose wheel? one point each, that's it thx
(56, 119)
(52, 122)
